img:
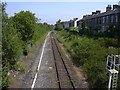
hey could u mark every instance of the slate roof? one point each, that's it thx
(115, 11)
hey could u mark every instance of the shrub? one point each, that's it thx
(91, 53)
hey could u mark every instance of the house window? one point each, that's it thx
(103, 19)
(116, 17)
(100, 20)
(103, 28)
(107, 19)
(112, 18)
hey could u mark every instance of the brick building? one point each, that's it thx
(97, 20)
(102, 21)
(71, 23)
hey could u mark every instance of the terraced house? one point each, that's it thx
(71, 23)
(101, 21)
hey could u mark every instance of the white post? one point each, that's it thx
(75, 23)
(114, 61)
(109, 85)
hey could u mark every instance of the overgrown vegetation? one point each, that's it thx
(59, 25)
(113, 31)
(18, 32)
(91, 53)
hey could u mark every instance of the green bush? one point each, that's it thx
(5, 79)
(91, 53)
(19, 67)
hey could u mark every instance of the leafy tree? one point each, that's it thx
(11, 46)
(0, 43)
(24, 22)
(59, 25)
(74, 29)
(85, 28)
(58, 21)
(0, 29)
(4, 14)
(40, 31)
(4, 68)
(83, 25)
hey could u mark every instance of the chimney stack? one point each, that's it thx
(108, 8)
(98, 11)
(84, 16)
(115, 6)
(75, 18)
(93, 13)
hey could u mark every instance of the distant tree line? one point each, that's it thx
(18, 32)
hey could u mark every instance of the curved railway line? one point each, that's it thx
(63, 77)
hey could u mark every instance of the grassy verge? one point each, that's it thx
(91, 54)
(24, 63)
(19, 66)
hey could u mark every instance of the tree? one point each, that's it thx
(3, 68)
(74, 30)
(83, 25)
(59, 25)
(58, 21)
(11, 46)
(85, 28)
(24, 22)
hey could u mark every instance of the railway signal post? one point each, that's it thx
(113, 63)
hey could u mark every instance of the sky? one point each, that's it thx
(50, 12)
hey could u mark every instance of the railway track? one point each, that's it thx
(63, 77)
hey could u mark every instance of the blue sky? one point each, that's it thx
(50, 12)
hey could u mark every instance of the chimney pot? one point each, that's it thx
(98, 11)
(108, 8)
(93, 13)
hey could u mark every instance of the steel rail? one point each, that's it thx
(63, 62)
(55, 63)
